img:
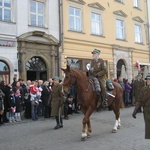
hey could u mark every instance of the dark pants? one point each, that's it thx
(65, 110)
(28, 110)
(47, 111)
(59, 120)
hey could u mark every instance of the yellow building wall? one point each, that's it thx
(80, 45)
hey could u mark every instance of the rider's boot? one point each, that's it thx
(105, 100)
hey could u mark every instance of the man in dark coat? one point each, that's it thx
(144, 101)
(139, 83)
(57, 101)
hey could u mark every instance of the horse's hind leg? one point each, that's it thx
(117, 122)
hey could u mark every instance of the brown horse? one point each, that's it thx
(87, 98)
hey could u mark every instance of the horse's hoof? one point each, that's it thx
(119, 126)
(83, 138)
(88, 135)
(114, 130)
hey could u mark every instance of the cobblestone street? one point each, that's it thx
(40, 135)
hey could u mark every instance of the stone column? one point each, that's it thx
(22, 73)
(53, 55)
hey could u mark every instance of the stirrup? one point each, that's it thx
(104, 103)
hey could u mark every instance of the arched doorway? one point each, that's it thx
(4, 72)
(36, 69)
(119, 65)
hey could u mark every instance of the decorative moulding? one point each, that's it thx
(120, 13)
(78, 1)
(97, 6)
(138, 19)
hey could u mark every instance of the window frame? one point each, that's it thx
(80, 7)
(137, 4)
(124, 28)
(37, 14)
(7, 8)
(141, 33)
(75, 20)
(101, 31)
(120, 1)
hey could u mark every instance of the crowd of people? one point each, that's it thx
(131, 89)
(34, 99)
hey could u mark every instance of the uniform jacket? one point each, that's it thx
(57, 99)
(137, 86)
(144, 100)
(98, 68)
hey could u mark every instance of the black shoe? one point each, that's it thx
(56, 127)
(61, 126)
(66, 118)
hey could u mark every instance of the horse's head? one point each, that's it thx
(69, 78)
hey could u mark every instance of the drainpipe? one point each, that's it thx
(59, 44)
(148, 24)
(61, 36)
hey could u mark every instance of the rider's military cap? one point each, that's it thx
(148, 76)
(96, 51)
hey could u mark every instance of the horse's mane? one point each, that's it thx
(78, 73)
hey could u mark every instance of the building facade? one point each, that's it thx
(29, 39)
(116, 27)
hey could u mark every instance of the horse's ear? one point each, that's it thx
(68, 68)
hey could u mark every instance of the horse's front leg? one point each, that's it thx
(89, 132)
(84, 134)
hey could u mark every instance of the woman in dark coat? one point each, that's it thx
(6, 90)
(144, 101)
(45, 97)
(57, 101)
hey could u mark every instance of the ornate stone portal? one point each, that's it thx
(35, 48)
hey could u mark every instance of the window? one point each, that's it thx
(37, 13)
(121, 1)
(96, 24)
(74, 19)
(136, 3)
(5, 10)
(138, 33)
(120, 29)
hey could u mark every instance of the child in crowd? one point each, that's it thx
(12, 101)
(18, 105)
(70, 104)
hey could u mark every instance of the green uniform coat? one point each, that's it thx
(98, 70)
(137, 86)
(57, 100)
(144, 100)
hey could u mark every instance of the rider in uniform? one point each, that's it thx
(98, 70)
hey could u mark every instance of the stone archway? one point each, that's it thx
(38, 44)
(4, 72)
(119, 66)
